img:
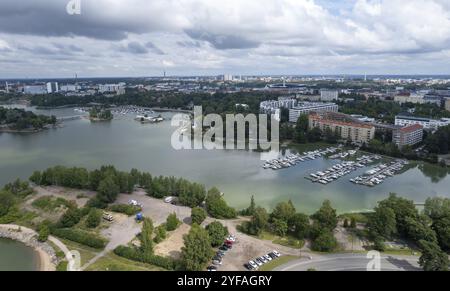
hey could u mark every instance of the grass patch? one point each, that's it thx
(287, 241)
(277, 262)
(112, 262)
(51, 204)
(86, 253)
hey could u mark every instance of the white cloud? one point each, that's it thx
(142, 37)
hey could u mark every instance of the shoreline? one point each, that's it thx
(45, 254)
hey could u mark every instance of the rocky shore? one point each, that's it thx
(47, 256)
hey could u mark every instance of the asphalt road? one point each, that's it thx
(352, 262)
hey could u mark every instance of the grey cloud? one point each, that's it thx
(154, 48)
(222, 41)
(136, 48)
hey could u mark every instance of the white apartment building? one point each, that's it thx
(308, 107)
(329, 95)
(426, 123)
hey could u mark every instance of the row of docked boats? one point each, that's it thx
(379, 174)
(294, 159)
(340, 170)
(344, 155)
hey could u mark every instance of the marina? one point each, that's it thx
(378, 175)
(338, 171)
(294, 159)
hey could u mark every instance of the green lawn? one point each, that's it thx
(112, 262)
(283, 241)
(277, 262)
(86, 252)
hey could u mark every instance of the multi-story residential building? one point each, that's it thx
(118, 89)
(35, 89)
(308, 107)
(447, 104)
(329, 95)
(410, 98)
(343, 125)
(52, 87)
(408, 135)
(426, 123)
(269, 107)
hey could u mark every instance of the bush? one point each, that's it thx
(217, 233)
(129, 210)
(70, 218)
(82, 237)
(135, 255)
(172, 222)
(217, 207)
(198, 215)
(325, 242)
(160, 234)
(44, 232)
(94, 218)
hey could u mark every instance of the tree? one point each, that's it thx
(300, 225)
(251, 209)
(217, 206)
(44, 232)
(70, 218)
(259, 221)
(172, 222)
(198, 215)
(433, 258)
(146, 238)
(283, 211)
(94, 218)
(326, 216)
(325, 242)
(353, 223)
(442, 229)
(402, 208)
(6, 202)
(418, 229)
(36, 178)
(108, 190)
(437, 208)
(280, 227)
(197, 250)
(382, 222)
(217, 232)
(160, 234)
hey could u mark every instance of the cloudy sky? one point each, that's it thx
(206, 37)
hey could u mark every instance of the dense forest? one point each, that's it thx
(19, 119)
(216, 103)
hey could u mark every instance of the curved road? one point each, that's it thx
(352, 262)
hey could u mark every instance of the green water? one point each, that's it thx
(127, 144)
(15, 256)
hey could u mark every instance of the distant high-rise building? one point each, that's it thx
(447, 104)
(227, 78)
(329, 95)
(308, 107)
(35, 89)
(7, 87)
(52, 87)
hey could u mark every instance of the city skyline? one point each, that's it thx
(204, 38)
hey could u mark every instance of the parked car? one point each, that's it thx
(253, 264)
(231, 238)
(249, 267)
(263, 259)
(259, 262)
(212, 268)
(217, 262)
(220, 255)
(224, 248)
(276, 254)
(272, 255)
(108, 217)
(268, 258)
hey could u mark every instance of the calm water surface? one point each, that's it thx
(127, 144)
(15, 256)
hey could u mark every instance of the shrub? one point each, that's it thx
(325, 242)
(198, 215)
(217, 233)
(44, 232)
(129, 210)
(94, 218)
(172, 222)
(160, 234)
(70, 218)
(135, 255)
(82, 237)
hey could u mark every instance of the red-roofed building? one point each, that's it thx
(408, 135)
